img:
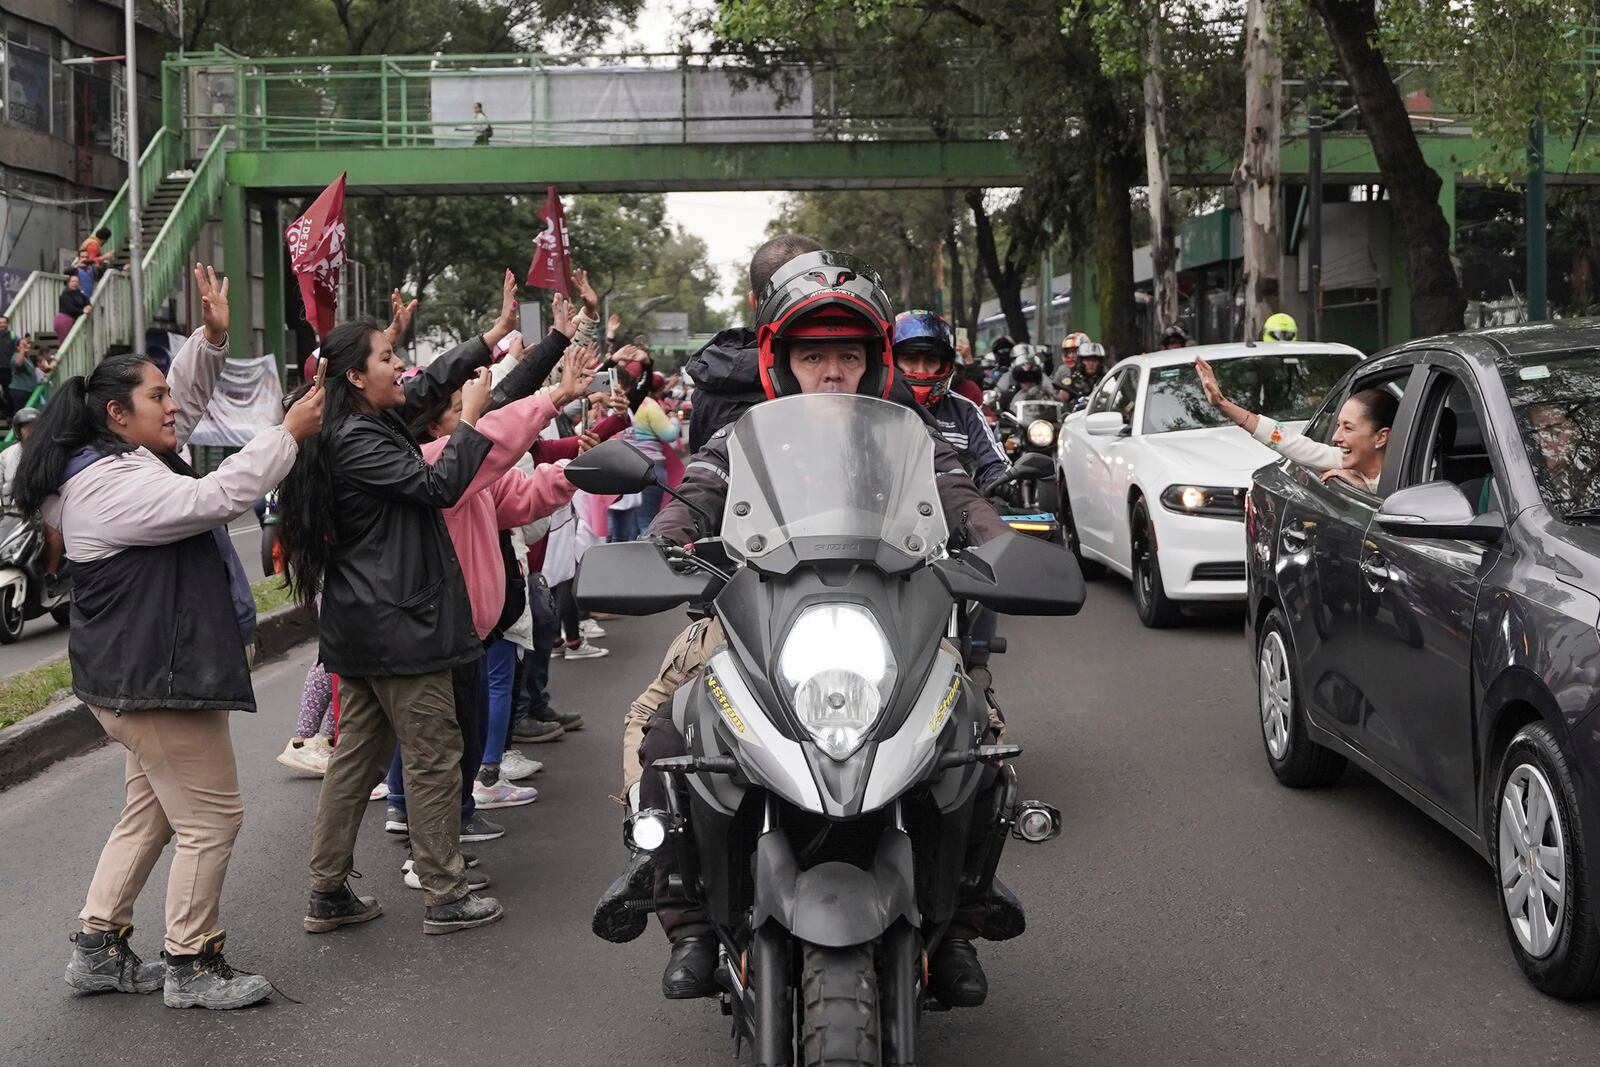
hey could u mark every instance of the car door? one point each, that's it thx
(1319, 553)
(1419, 599)
(1093, 476)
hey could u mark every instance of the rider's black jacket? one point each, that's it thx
(726, 383)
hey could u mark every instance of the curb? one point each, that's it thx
(69, 728)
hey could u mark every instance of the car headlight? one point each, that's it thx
(838, 670)
(1041, 432)
(1222, 501)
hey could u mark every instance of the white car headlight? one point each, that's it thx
(839, 672)
(1041, 432)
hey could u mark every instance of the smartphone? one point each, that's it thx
(604, 382)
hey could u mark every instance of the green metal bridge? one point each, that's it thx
(248, 132)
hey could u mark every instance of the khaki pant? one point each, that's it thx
(685, 658)
(181, 779)
(420, 712)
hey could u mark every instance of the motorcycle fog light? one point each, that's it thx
(1036, 822)
(1041, 432)
(647, 831)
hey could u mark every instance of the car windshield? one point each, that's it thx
(1285, 388)
(850, 469)
(1557, 405)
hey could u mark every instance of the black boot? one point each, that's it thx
(955, 975)
(206, 981)
(329, 911)
(103, 963)
(1003, 916)
(691, 969)
(625, 906)
(464, 914)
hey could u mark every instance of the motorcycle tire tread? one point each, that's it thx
(839, 997)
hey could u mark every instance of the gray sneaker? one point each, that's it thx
(525, 729)
(471, 910)
(103, 963)
(478, 828)
(206, 981)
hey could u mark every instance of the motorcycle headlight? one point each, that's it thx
(1041, 432)
(838, 669)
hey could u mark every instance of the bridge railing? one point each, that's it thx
(400, 102)
(33, 309)
(159, 158)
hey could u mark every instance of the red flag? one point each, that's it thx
(550, 267)
(316, 252)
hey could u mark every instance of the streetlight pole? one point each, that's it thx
(135, 234)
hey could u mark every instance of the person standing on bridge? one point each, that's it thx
(156, 648)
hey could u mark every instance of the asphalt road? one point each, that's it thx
(43, 640)
(1193, 911)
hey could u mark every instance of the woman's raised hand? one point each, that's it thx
(561, 315)
(304, 417)
(1208, 381)
(507, 320)
(400, 314)
(475, 395)
(213, 304)
(578, 368)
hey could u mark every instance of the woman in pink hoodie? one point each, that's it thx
(498, 498)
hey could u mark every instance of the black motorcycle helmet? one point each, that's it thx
(1001, 350)
(824, 295)
(1027, 369)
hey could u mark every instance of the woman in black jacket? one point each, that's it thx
(362, 526)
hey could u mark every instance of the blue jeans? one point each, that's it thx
(470, 682)
(630, 525)
(533, 696)
(501, 658)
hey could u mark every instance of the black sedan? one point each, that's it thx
(1442, 633)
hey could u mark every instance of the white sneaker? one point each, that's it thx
(475, 881)
(305, 758)
(514, 766)
(380, 791)
(502, 795)
(587, 651)
(588, 629)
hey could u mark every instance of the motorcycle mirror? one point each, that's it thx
(1016, 575)
(612, 467)
(1032, 466)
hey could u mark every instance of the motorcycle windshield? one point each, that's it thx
(831, 476)
(1029, 410)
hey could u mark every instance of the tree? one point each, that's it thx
(1163, 226)
(1256, 178)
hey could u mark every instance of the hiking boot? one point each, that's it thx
(625, 906)
(527, 729)
(955, 976)
(471, 910)
(691, 969)
(329, 911)
(206, 981)
(102, 962)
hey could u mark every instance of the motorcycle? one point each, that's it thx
(1030, 469)
(269, 516)
(1031, 428)
(837, 798)
(25, 591)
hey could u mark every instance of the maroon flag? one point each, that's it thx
(551, 267)
(316, 252)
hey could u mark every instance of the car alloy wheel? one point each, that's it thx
(1277, 695)
(1532, 860)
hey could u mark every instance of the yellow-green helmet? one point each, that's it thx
(1280, 327)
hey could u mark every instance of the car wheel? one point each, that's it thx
(1089, 568)
(1295, 759)
(1156, 609)
(1540, 859)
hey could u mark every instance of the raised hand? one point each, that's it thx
(507, 320)
(578, 368)
(475, 395)
(586, 293)
(213, 304)
(586, 441)
(561, 315)
(400, 314)
(613, 324)
(1208, 382)
(304, 417)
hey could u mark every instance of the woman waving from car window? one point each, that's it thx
(1360, 439)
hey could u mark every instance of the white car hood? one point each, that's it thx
(1218, 455)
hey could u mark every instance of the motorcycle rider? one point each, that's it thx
(1069, 351)
(23, 424)
(1280, 327)
(823, 327)
(924, 357)
(1027, 378)
(1082, 382)
(1174, 336)
(1000, 352)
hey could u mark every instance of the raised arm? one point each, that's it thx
(197, 367)
(1287, 443)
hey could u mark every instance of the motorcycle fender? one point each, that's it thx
(836, 905)
(14, 579)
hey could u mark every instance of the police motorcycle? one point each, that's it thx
(837, 798)
(26, 592)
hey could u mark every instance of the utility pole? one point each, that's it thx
(1314, 234)
(135, 234)
(1537, 303)
(1043, 290)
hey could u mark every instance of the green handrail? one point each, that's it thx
(158, 158)
(164, 260)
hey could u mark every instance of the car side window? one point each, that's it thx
(1320, 428)
(1111, 394)
(1450, 444)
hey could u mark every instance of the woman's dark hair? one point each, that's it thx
(428, 416)
(74, 419)
(1380, 405)
(104, 233)
(305, 499)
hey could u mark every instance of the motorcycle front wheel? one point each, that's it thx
(839, 1024)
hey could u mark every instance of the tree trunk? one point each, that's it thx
(1256, 177)
(1163, 229)
(1112, 240)
(958, 284)
(1437, 303)
(1007, 281)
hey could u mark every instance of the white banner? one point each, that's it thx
(247, 401)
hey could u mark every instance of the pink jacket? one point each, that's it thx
(499, 498)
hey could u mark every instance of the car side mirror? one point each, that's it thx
(1438, 510)
(612, 467)
(1104, 424)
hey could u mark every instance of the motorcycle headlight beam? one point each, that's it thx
(839, 671)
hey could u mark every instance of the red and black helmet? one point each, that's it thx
(824, 296)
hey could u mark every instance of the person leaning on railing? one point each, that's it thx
(156, 647)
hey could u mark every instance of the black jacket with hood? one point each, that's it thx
(726, 383)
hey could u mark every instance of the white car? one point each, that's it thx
(1154, 478)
